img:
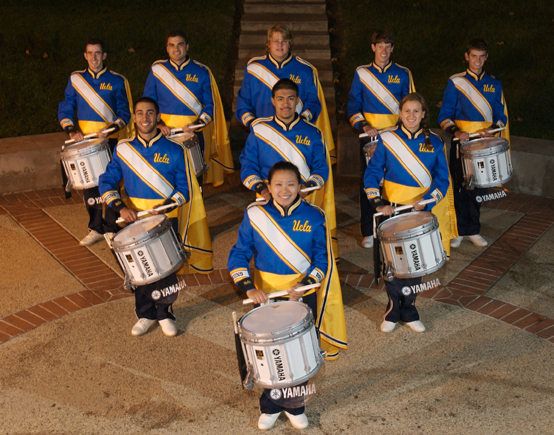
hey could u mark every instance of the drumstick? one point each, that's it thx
(88, 136)
(180, 129)
(406, 207)
(283, 293)
(496, 130)
(307, 189)
(145, 212)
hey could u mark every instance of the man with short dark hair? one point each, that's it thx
(375, 94)
(473, 102)
(150, 181)
(101, 99)
(188, 96)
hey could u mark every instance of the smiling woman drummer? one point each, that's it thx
(412, 161)
(290, 243)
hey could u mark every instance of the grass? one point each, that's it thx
(431, 37)
(41, 43)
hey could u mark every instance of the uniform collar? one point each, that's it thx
(284, 126)
(410, 134)
(182, 66)
(291, 209)
(152, 141)
(475, 76)
(277, 64)
(382, 70)
(98, 74)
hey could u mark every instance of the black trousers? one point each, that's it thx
(366, 212)
(146, 307)
(468, 210)
(93, 203)
(401, 305)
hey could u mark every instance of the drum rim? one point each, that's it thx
(282, 384)
(407, 234)
(271, 337)
(498, 148)
(148, 235)
(70, 152)
(157, 277)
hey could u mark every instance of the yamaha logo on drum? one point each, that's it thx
(145, 264)
(279, 364)
(275, 394)
(85, 172)
(494, 172)
(415, 257)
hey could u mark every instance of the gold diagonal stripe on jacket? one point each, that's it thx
(177, 88)
(278, 241)
(407, 158)
(143, 170)
(377, 88)
(92, 98)
(474, 96)
(284, 147)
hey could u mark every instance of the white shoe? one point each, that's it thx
(478, 240)
(168, 327)
(387, 326)
(456, 242)
(416, 326)
(266, 421)
(367, 242)
(91, 238)
(142, 326)
(298, 421)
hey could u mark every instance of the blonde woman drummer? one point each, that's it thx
(289, 241)
(413, 162)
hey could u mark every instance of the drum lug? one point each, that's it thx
(68, 186)
(389, 275)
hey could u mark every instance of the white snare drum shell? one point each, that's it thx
(281, 344)
(85, 161)
(487, 162)
(148, 250)
(192, 146)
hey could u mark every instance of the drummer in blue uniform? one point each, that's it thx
(289, 241)
(413, 162)
(156, 172)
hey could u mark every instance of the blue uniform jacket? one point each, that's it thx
(152, 171)
(100, 99)
(261, 74)
(472, 102)
(410, 172)
(282, 243)
(271, 141)
(168, 83)
(376, 93)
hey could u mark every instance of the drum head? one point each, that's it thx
(484, 145)
(85, 144)
(275, 317)
(406, 222)
(140, 227)
(181, 137)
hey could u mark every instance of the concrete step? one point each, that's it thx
(320, 52)
(300, 39)
(301, 22)
(276, 7)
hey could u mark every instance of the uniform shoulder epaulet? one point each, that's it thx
(457, 75)
(305, 62)
(403, 67)
(363, 66)
(254, 59)
(201, 65)
(119, 75)
(160, 61)
(126, 140)
(254, 204)
(258, 120)
(81, 71)
(389, 129)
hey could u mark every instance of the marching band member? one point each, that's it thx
(290, 243)
(261, 74)
(473, 102)
(156, 172)
(412, 161)
(373, 101)
(188, 95)
(101, 99)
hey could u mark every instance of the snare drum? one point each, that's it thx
(148, 250)
(280, 344)
(486, 162)
(85, 161)
(411, 245)
(190, 142)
